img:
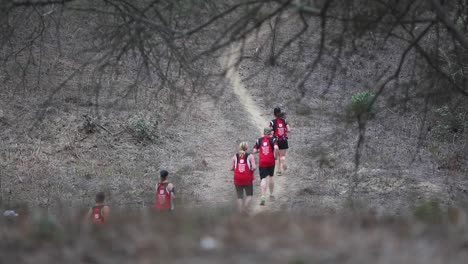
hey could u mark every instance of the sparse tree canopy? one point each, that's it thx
(170, 43)
(162, 34)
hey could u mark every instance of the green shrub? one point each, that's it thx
(142, 128)
(297, 261)
(144, 131)
(45, 227)
(361, 103)
(429, 212)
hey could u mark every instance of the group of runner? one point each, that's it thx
(165, 195)
(272, 155)
(271, 149)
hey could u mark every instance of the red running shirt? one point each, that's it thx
(243, 174)
(279, 128)
(265, 147)
(163, 197)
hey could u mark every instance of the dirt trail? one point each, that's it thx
(256, 116)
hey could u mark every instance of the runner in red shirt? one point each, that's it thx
(165, 193)
(280, 132)
(99, 213)
(267, 148)
(243, 165)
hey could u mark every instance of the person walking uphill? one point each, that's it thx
(99, 212)
(165, 193)
(280, 132)
(267, 148)
(243, 165)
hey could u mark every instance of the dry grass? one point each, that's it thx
(397, 170)
(63, 161)
(143, 237)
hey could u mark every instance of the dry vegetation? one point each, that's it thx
(215, 237)
(403, 162)
(100, 96)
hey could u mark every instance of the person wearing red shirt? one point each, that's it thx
(165, 193)
(243, 165)
(280, 131)
(267, 147)
(99, 213)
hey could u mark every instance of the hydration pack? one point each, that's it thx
(97, 214)
(266, 150)
(279, 128)
(242, 164)
(163, 197)
(266, 146)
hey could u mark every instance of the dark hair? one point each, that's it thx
(277, 112)
(100, 197)
(163, 174)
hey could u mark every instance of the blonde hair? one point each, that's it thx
(243, 146)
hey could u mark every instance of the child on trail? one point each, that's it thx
(267, 147)
(243, 165)
(280, 130)
(165, 193)
(99, 213)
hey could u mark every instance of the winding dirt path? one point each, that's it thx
(256, 116)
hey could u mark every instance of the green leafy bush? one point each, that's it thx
(144, 130)
(429, 212)
(45, 226)
(361, 104)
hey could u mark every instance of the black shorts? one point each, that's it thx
(266, 171)
(283, 144)
(240, 190)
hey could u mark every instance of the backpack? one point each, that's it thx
(243, 174)
(266, 148)
(242, 164)
(279, 128)
(97, 214)
(163, 197)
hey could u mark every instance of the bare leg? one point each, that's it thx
(240, 206)
(278, 166)
(247, 201)
(271, 184)
(263, 186)
(282, 160)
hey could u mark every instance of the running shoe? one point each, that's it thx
(262, 200)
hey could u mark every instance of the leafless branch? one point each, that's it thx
(363, 120)
(443, 16)
(39, 2)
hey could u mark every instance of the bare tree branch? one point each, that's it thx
(362, 120)
(39, 2)
(442, 15)
(311, 66)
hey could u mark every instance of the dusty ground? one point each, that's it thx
(56, 164)
(397, 171)
(56, 160)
